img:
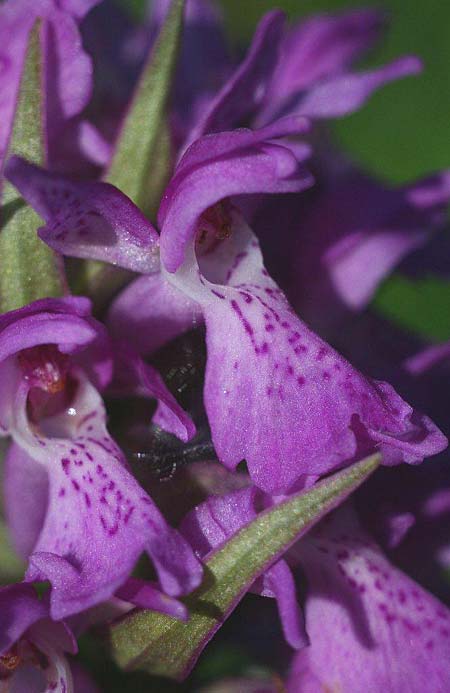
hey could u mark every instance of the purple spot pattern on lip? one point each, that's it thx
(327, 412)
(96, 510)
(384, 618)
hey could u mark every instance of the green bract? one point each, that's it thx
(166, 647)
(30, 270)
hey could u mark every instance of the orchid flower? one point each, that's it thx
(264, 364)
(89, 520)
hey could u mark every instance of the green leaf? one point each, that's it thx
(30, 270)
(141, 161)
(164, 646)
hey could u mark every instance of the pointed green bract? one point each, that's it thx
(30, 270)
(167, 647)
(141, 161)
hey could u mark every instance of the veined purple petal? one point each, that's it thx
(151, 312)
(383, 631)
(245, 90)
(247, 164)
(271, 367)
(96, 511)
(319, 47)
(87, 220)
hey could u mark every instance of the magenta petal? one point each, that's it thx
(151, 313)
(147, 596)
(278, 582)
(220, 166)
(87, 220)
(97, 512)
(211, 523)
(371, 627)
(134, 376)
(346, 93)
(245, 89)
(345, 250)
(319, 47)
(25, 498)
(20, 609)
(428, 358)
(271, 367)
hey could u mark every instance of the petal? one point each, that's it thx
(278, 582)
(96, 512)
(65, 321)
(345, 249)
(25, 486)
(428, 358)
(320, 47)
(244, 91)
(68, 69)
(383, 631)
(346, 93)
(270, 367)
(217, 167)
(211, 523)
(19, 609)
(151, 313)
(137, 377)
(87, 220)
(146, 595)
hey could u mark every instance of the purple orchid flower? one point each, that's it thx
(67, 74)
(302, 71)
(359, 610)
(264, 365)
(32, 647)
(382, 630)
(89, 519)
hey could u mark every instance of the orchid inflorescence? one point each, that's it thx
(182, 245)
